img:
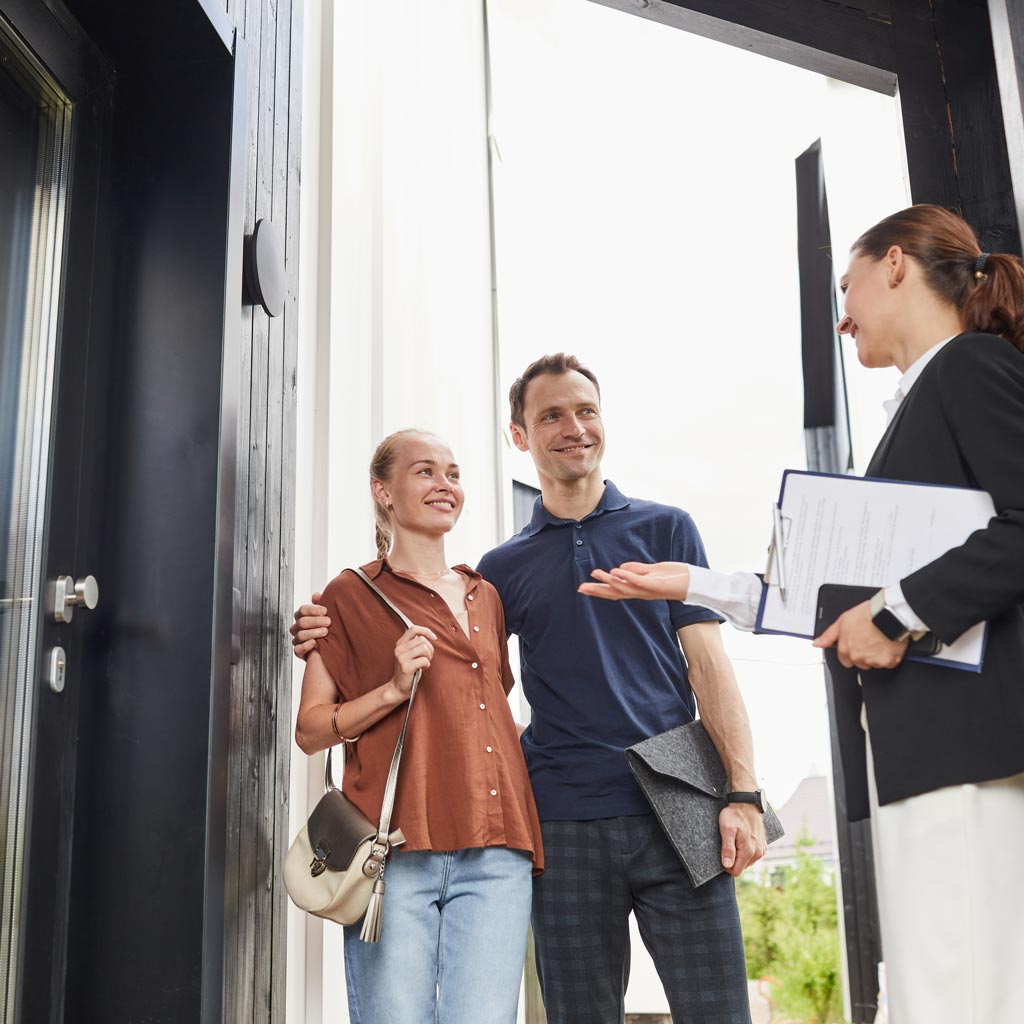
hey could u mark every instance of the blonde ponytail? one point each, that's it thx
(381, 468)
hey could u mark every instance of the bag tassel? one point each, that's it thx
(374, 920)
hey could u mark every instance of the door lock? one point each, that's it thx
(69, 593)
(56, 669)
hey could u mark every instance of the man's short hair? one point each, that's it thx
(554, 365)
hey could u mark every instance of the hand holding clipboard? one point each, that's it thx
(866, 533)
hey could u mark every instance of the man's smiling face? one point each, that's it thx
(563, 429)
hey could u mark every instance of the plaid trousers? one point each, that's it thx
(596, 873)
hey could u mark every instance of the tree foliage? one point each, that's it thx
(791, 935)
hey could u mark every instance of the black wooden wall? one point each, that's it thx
(260, 723)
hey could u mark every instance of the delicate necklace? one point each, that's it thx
(423, 575)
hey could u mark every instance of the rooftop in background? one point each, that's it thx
(809, 811)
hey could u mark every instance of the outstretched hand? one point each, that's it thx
(859, 642)
(658, 581)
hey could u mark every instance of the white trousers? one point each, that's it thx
(949, 868)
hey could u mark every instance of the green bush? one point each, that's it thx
(791, 934)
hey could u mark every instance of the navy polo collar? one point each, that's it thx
(611, 501)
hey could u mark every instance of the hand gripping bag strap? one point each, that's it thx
(384, 828)
(384, 839)
(374, 918)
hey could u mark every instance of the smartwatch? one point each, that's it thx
(886, 621)
(756, 798)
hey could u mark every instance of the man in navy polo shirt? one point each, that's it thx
(599, 677)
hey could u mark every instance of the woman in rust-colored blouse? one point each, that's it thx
(459, 890)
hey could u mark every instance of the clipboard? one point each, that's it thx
(834, 529)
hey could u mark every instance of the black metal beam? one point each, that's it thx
(827, 438)
(938, 53)
(851, 42)
(1006, 18)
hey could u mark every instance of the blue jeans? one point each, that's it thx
(453, 940)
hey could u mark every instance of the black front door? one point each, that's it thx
(54, 95)
(126, 139)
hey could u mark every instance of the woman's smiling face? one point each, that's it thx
(425, 492)
(868, 308)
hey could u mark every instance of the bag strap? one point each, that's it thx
(384, 828)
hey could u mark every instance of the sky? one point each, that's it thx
(646, 221)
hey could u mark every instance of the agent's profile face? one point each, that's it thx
(868, 307)
(425, 491)
(564, 433)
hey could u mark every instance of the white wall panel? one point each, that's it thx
(396, 324)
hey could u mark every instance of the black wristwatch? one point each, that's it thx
(885, 621)
(739, 797)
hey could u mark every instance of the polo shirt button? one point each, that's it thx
(494, 792)
(474, 665)
(579, 543)
(579, 526)
(482, 706)
(490, 750)
(476, 629)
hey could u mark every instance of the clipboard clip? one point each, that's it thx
(775, 571)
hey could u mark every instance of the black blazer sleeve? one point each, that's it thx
(981, 392)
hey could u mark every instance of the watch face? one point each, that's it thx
(889, 625)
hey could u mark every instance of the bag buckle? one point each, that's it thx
(318, 865)
(372, 864)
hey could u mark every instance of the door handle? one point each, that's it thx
(69, 594)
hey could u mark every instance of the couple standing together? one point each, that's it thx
(601, 676)
(460, 891)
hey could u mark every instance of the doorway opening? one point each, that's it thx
(645, 196)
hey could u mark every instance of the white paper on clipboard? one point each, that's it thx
(867, 532)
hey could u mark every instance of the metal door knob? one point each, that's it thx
(87, 593)
(70, 593)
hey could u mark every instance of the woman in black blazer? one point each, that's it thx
(943, 767)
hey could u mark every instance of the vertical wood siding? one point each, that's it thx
(255, 959)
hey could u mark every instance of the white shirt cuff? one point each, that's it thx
(897, 604)
(735, 596)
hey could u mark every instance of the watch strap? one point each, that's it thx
(746, 797)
